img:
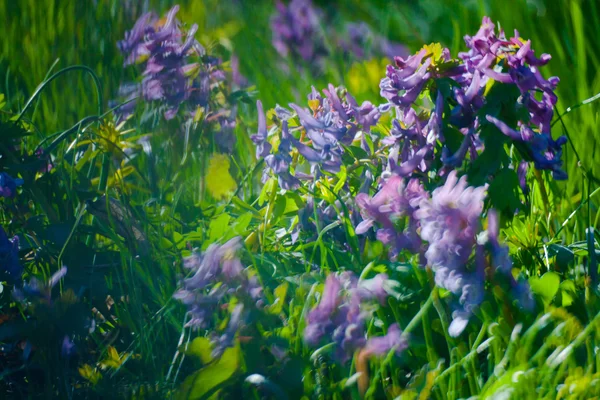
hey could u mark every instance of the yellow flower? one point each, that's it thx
(90, 374)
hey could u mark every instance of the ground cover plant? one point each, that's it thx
(353, 200)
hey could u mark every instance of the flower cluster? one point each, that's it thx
(216, 274)
(332, 121)
(393, 201)
(440, 107)
(177, 70)
(299, 34)
(340, 316)
(297, 31)
(491, 60)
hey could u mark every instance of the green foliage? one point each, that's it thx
(121, 215)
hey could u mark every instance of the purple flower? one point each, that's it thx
(522, 174)
(296, 31)
(319, 320)
(9, 257)
(134, 45)
(201, 292)
(380, 346)
(404, 83)
(8, 185)
(393, 201)
(449, 222)
(226, 339)
(342, 312)
(170, 77)
(544, 151)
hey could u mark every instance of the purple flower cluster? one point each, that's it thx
(333, 120)
(174, 71)
(449, 222)
(9, 258)
(8, 185)
(216, 274)
(491, 59)
(447, 227)
(299, 31)
(340, 316)
(393, 201)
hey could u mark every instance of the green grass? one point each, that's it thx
(165, 193)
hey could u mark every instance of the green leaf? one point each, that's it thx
(546, 286)
(208, 379)
(201, 348)
(342, 175)
(568, 292)
(266, 191)
(242, 223)
(218, 227)
(280, 293)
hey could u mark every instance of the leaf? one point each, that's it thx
(201, 348)
(568, 292)
(546, 286)
(342, 175)
(206, 380)
(218, 179)
(218, 227)
(280, 293)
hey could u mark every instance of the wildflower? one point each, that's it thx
(226, 339)
(392, 202)
(522, 174)
(216, 273)
(342, 312)
(263, 147)
(68, 348)
(296, 31)
(8, 185)
(449, 222)
(382, 345)
(404, 83)
(9, 257)
(171, 77)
